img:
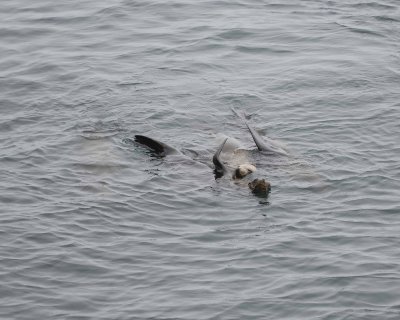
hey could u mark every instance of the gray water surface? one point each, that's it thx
(92, 226)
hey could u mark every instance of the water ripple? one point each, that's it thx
(95, 226)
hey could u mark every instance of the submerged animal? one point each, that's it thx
(259, 187)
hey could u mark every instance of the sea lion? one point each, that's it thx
(220, 168)
(259, 187)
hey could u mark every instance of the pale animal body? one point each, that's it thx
(229, 160)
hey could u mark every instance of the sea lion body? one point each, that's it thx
(229, 159)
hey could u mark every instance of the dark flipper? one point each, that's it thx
(157, 147)
(257, 138)
(220, 168)
(263, 144)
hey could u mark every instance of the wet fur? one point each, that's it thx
(157, 147)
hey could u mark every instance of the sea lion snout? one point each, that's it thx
(260, 187)
(243, 170)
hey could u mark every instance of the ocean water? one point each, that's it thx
(94, 226)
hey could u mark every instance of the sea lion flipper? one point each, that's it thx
(157, 147)
(265, 144)
(256, 137)
(220, 168)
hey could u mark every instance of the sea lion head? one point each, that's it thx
(243, 170)
(260, 187)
